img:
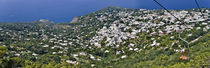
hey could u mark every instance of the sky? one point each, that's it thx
(65, 10)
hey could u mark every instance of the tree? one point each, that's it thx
(3, 51)
(3, 62)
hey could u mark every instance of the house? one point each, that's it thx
(34, 54)
(124, 56)
(72, 62)
(46, 46)
(17, 55)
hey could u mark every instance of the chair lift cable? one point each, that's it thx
(179, 31)
(180, 20)
(199, 7)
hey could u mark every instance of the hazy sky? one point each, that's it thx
(65, 10)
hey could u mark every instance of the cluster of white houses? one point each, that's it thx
(159, 24)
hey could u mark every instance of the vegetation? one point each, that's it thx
(45, 44)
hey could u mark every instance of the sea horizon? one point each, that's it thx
(64, 11)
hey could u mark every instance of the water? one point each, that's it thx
(65, 10)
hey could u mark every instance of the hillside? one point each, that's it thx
(113, 37)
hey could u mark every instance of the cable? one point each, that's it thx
(199, 7)
(169, 12)
(179, 32)
(181, 20)
(166, 9)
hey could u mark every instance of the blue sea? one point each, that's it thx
(65, 10)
